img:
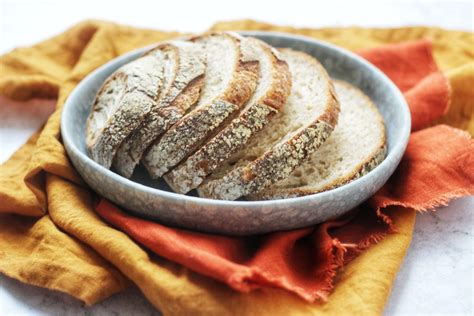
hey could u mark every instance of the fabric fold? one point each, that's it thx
(16, 196)
(305, 261)
(46, 257)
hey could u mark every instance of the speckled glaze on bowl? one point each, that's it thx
(154, 200)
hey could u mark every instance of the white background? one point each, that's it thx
(437, 275)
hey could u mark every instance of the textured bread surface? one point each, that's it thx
(230, 80)
(273, 88)
(183, 79)
(121, 104)
(357, 145)
(305, 122)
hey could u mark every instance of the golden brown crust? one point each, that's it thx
(277, 96)
(190, 94)
(279, 161)
(332, 114)
(192, 172)
(201, 124)
(243, 83)
(181, 92)
(362, 168)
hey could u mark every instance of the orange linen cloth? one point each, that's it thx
(305, 261)
(50, 235)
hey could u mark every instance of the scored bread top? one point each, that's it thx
(357, 145)
(230, 80)
(273, 88)
(306, 121)
(183, 80)
(121, 103)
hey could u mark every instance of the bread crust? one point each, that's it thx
(361, 169)
(128, 107)
(99, 104)
(279, 161)
(196, 127)
(192, 172)
(173, 103)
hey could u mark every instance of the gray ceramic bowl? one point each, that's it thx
(153, 199)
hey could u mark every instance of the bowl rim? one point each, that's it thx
(391, 157)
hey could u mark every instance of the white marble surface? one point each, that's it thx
(437, 274)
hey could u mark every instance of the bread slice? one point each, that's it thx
(122, 102)
(306, 121)
(230, 80)
(183, 80)
(356, 146)
(273, 88)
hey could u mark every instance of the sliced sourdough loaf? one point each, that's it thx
(230, 80)
(356, 146)
(122, 102)
(183, 80)
(306, 121)
(273, 88)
